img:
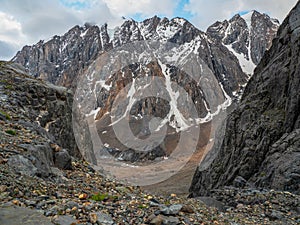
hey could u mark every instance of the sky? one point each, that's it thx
(25, 22)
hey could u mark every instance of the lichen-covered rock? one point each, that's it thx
(48, 107)
(261, 142)
(43, 112)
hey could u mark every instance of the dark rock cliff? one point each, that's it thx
(262, 138)
(42, 107)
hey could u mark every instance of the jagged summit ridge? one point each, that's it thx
(247, 36)
(63, 58)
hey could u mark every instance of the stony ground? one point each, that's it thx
(83, 196)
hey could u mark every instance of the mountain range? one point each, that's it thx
(62, 58)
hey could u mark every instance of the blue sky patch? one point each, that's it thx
(181, 12)
(78, 5)
(178, 12)
(244, 12)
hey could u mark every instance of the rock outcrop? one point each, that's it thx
(42, 110)
(261, 142)
(61, 59)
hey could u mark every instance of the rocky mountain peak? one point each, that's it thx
(247, 36)
(260, 147)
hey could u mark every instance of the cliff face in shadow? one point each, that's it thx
(262, 138)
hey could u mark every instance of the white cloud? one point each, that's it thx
(143, 7)
(28, 21)
(7, 50)
(207, 12)
(11, 29)
(11, 35)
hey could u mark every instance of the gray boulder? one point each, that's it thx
(41, 156)
(22, 165)
(62, 160)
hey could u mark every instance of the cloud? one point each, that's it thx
(29, 21)
(11, 29)
(11, 36)
(206, 13)
(40, 19)
(145, 8)
(7, 50)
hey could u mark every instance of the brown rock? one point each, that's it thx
(93, 217)
(156, 221)
(187, 209)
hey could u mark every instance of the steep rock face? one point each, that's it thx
(247, 37)
(61, 59)
(261, 142)
(46, 109)
(131, 82)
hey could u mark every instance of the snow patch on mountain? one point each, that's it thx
(209, 116)
(179, 122)
(247, 65)
(248, 18)
(167, 32)
(132, 100)
(84, 33)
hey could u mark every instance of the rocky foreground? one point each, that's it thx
(82, 195)
(40, 183)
